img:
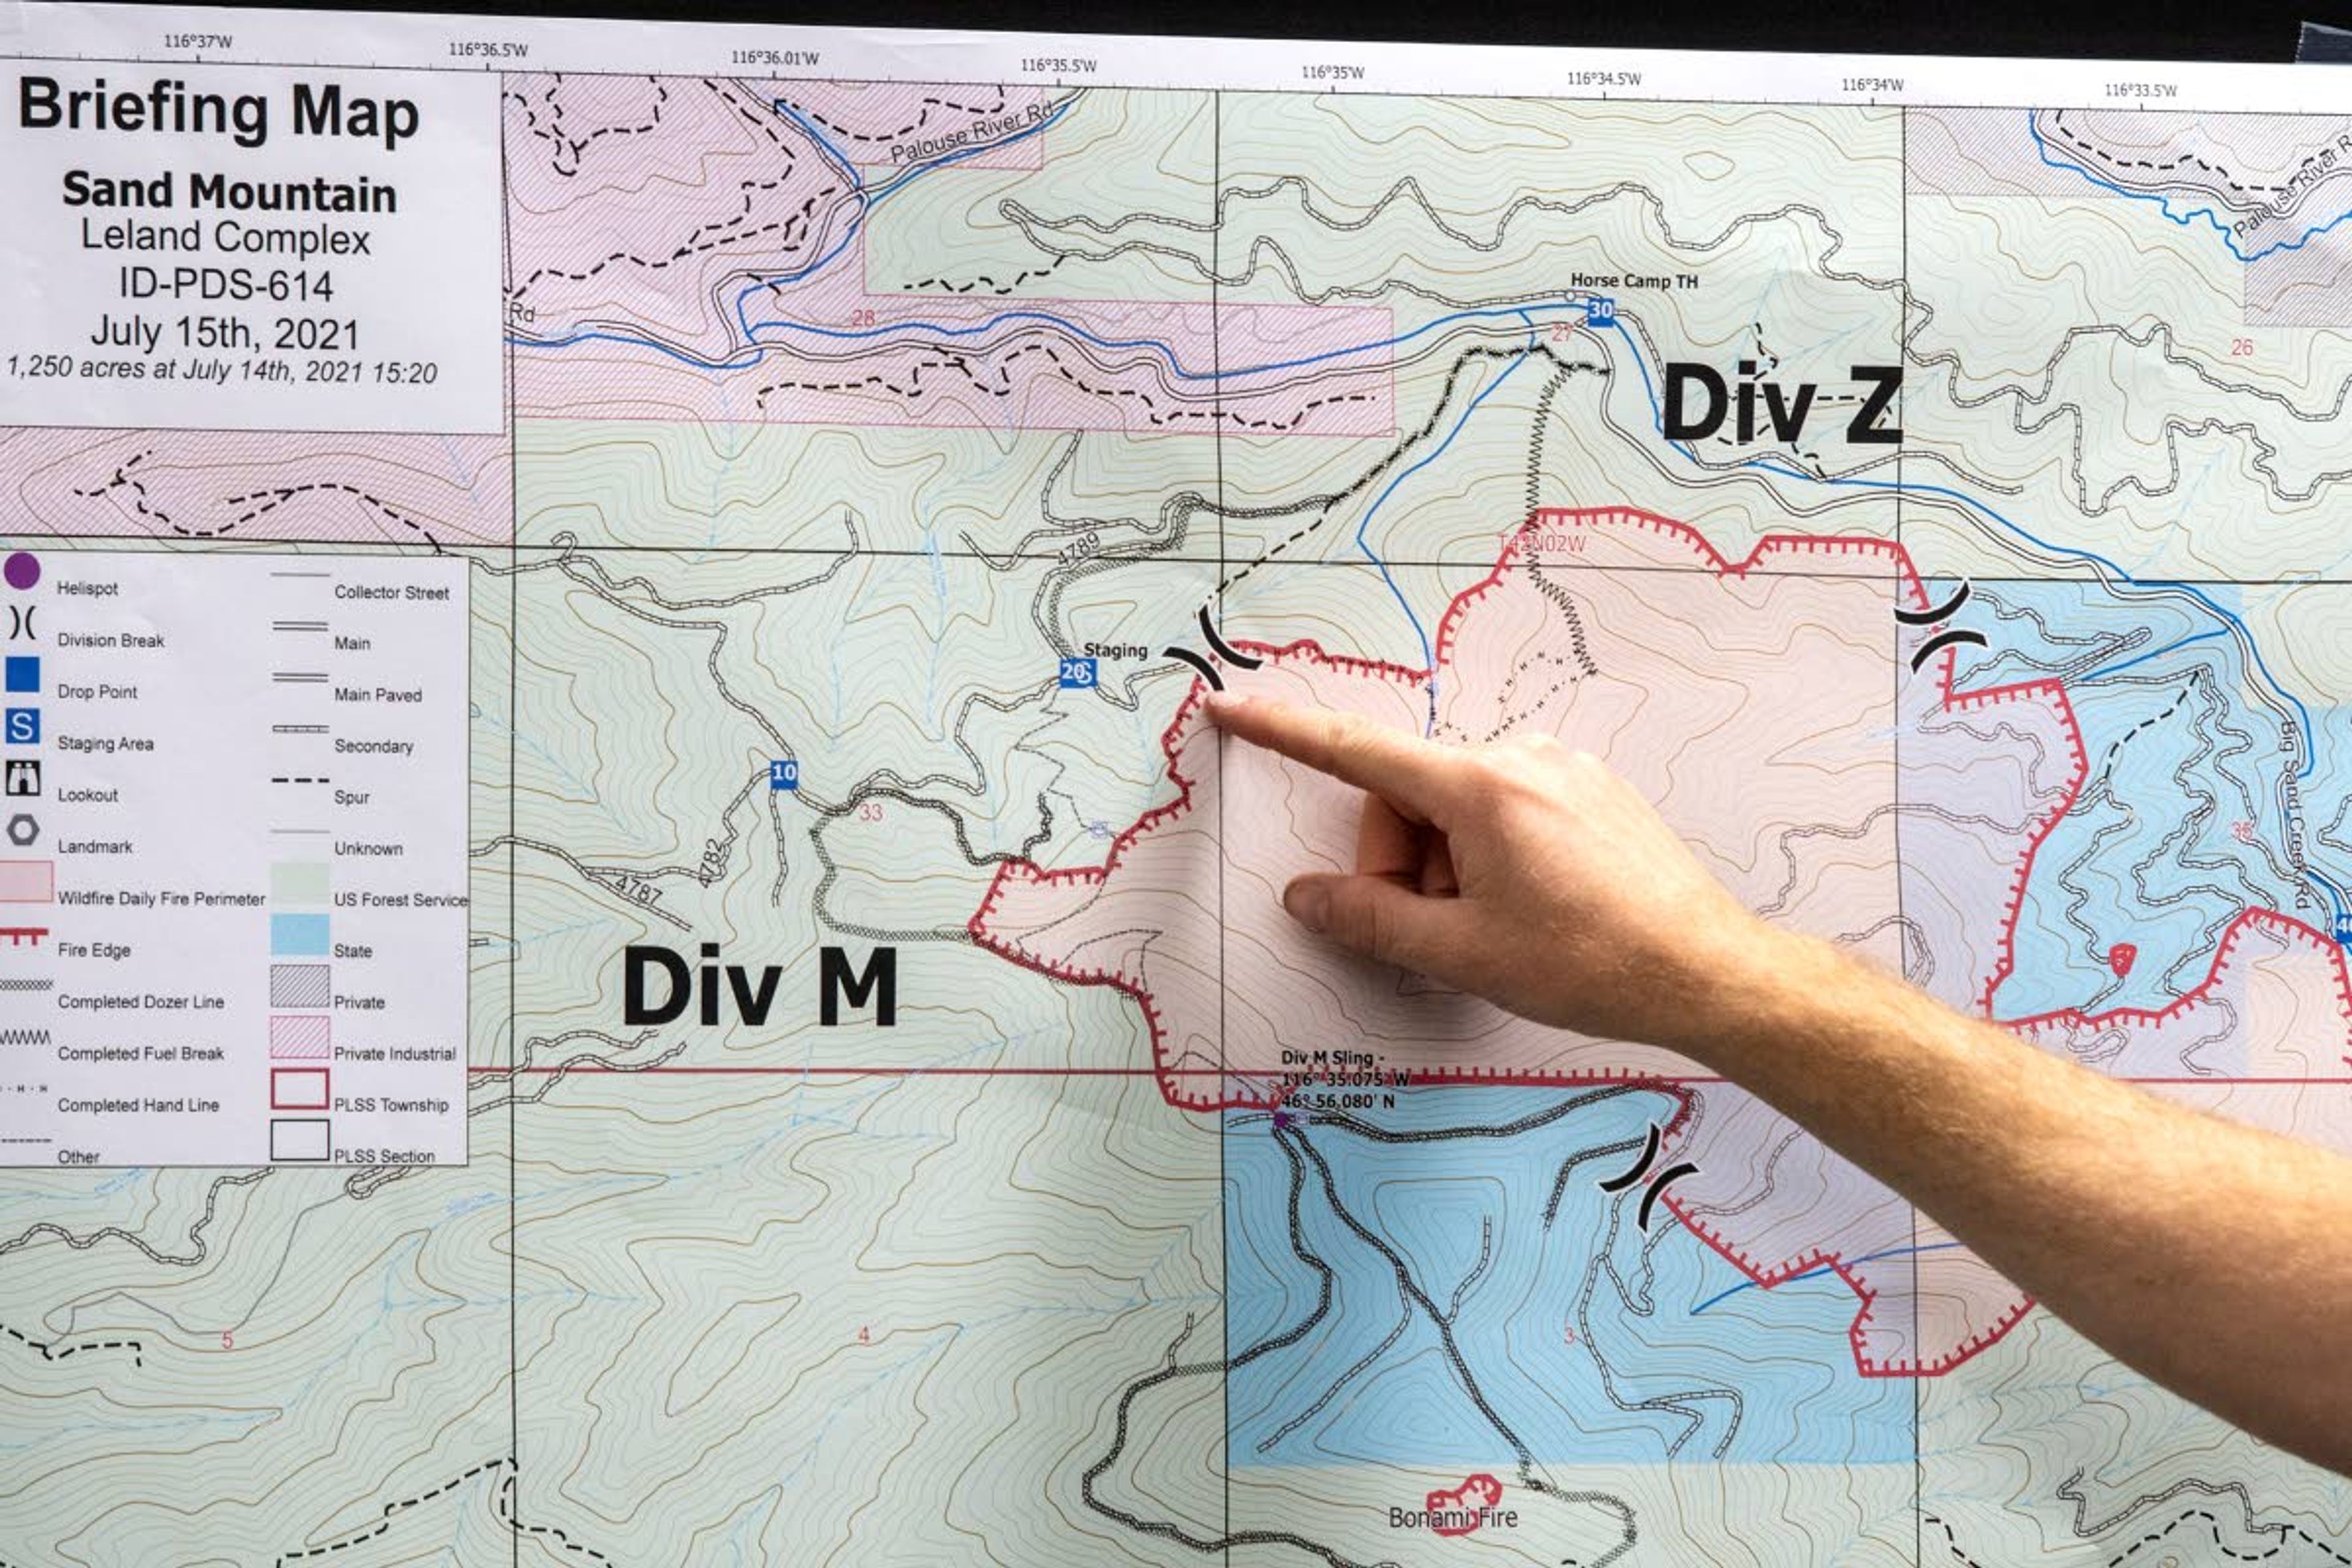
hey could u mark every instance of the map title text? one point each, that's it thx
(168, 106)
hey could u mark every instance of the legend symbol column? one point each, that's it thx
(24, 976)
(23, 879)
(299, 889)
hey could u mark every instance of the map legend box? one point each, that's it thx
(192, 936)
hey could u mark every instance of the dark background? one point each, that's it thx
(2218, 29)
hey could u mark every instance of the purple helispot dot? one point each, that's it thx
(1281, 1120)
(23, 569)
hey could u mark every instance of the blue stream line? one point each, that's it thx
(2164, 203)
(1574, 301)
(755, 351)
(1428, 657)
(1824, 1268)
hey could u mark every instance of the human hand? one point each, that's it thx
(1523, 872)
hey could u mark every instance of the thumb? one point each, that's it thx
(1377, 918)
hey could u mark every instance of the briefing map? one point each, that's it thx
(621, 942)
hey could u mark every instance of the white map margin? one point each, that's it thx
(97, 33)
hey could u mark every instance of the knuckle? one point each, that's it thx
(1489, 792)
(1508, 772)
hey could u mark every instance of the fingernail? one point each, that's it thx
(1217, 704)
(1309, 904)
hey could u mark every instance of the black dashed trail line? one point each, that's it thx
(2108, 763)
(53, 1352)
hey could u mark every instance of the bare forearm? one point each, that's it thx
(2213, 1257)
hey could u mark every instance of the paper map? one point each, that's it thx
(621, 942)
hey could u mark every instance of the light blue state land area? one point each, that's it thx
(1667, 1359)
(2194, 766)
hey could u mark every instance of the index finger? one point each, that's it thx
(1403, 769)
